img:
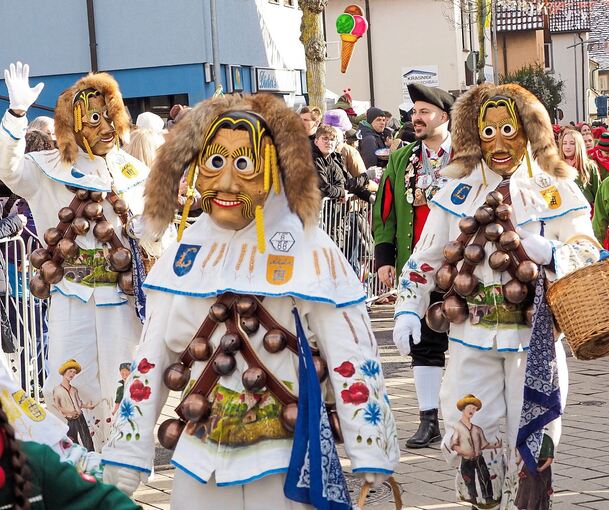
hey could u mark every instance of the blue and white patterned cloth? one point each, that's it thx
(541, 403)
(315, 476)
(139, 275)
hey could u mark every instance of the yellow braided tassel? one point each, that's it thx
(260, 229)
(275, 169)
(529, 167)
(76, 119)
(483, 175)
(87, 146)
(267, 167)
(190, 196)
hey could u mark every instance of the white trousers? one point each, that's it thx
(497, 380)
(99, 338)
(262, 494)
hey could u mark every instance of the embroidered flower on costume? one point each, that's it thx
(346, 369)
(372, 413)
(356, 394)
(411, 264)
(139, 391)
(126, 410)
(426, 268)
(144, 367)
(370, 368)
(417, 278)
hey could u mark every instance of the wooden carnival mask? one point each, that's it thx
(235, 170)
(502, 137)
(94, 129)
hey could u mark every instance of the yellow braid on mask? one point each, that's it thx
(483, 175)
(275, 169)
(530, 169)
(193, 172)
(267, 167)
(77, 119)
(260, 229)
(88, 148)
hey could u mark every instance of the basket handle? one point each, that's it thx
(395, 488)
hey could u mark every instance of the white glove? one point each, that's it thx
(406, 325)
(21, 96)
(537, 247)
(125, 479)
(374, 479)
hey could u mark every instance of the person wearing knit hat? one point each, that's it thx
(505, 172)
(82, 195)
(337, 118)
(149, 120)
(411, 179)
(372, 140)
(250, 358)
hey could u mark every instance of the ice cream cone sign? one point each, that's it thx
(350, 25)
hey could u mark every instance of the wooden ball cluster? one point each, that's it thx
(490, 224)
(61, 244)
(196, 408)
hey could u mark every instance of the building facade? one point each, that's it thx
(160, 52)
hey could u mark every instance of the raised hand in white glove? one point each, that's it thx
(537, 247)
(21, 95)
(125, 479)
(406, 325)
(374, 479)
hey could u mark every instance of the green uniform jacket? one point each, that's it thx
(393, 216)
(600, 221)
(56, 485)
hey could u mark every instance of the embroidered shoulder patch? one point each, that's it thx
(129, 170)
(76, 173)
(279, 269)
(282, 241)
(552, 197)
(459, 194)
(543, 180)
(185, 258)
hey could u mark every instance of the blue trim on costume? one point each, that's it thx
(456, 340)
(546, 218)
(506, 349)
(406, 313)
(187, 471)
(253, 478)
(461, 215)
(9, 133)
(79, 185)
(120, 464)
(236, 291)
(373, 470)
(57, 289)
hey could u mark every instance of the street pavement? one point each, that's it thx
(581, 469)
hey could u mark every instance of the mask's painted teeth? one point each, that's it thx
(225, 203)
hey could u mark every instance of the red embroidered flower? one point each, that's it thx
(416, 277)
(426, 268)
(144, 367)
(346, 369)
(139, 392)
(356, 394)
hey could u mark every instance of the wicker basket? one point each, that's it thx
(579, 302)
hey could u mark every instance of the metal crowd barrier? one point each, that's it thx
(23, 325)
(349, 225)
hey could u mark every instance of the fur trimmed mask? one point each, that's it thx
(90, 115)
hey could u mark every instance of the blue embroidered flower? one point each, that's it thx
(126, 409)
(370, 368)
(404, 283)
(411, 264)
(372, 413)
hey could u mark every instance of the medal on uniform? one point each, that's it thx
(409, 196)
